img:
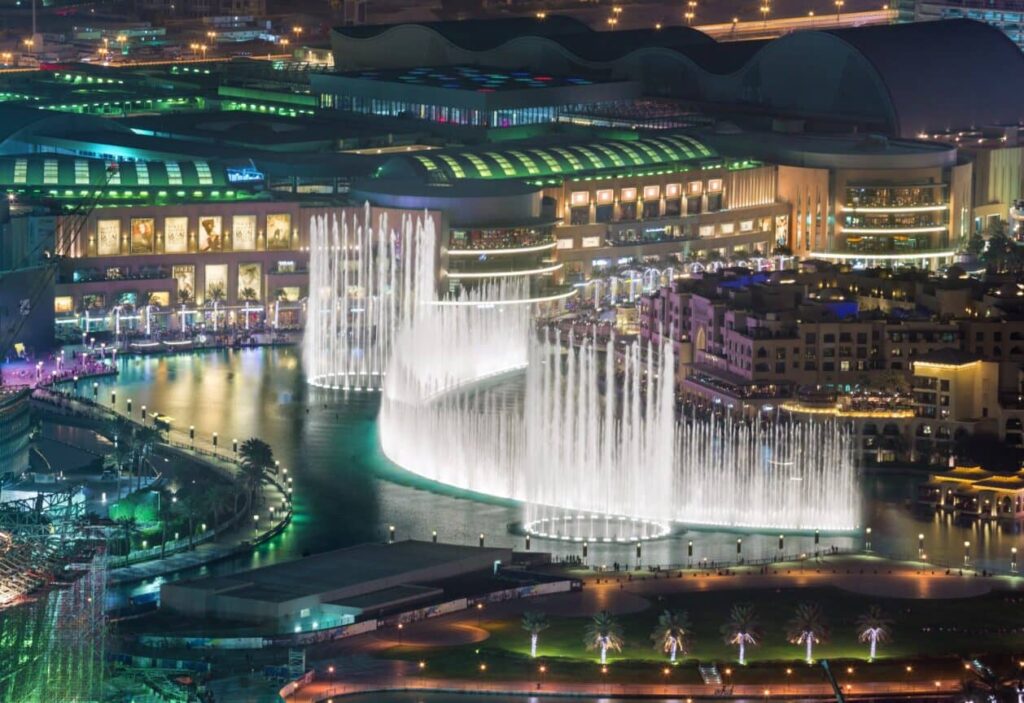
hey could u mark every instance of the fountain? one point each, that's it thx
(595, 450)
(588, 438)
(363, 281)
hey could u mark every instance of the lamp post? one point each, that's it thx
(839, 8)
(782, 544)
(765, 9)
(967, 553)
(95, 390)
(527, 542)
(192, 435)
(1013, 560)
(739, 546)
(129, 406)
(867, 540)
(481, 539)
(689, 553)
(143, 410)
(215, 441)
(391, 534)
(113, 398)
(234, 446)
(433, 536)
(639, 554)
(920, 545)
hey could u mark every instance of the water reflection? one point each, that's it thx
(346, 492)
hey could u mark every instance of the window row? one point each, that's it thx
(180, 235)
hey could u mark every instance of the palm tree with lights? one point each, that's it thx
(742, 629)
(874, 627)
(808, 628)
(604, 632)
(534, 622)
(673, 634)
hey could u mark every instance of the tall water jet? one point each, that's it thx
(363, 281)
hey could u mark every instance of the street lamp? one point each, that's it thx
(867, 540)
(967, 553)
(765, 9)
(839, 8)
(1013, 560)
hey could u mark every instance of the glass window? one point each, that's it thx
(243, 233)
(81, 172)
(173, 173)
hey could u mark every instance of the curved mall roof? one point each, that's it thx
(546, 160)
(903, 79)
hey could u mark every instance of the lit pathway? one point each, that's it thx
(324, 690)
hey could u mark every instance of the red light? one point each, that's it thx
(542, 78)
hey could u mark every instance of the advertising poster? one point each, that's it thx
(243, 232)
(216, 283)
(108, 237)
(175, 235)
(210, 234)
(249, 281)
(185, 276)
(279, 231)
(142, 235)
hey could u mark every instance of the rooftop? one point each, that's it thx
(479, 78)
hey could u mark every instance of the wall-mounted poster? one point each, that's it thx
(175, 235)
(243, 233)
(288, 294)
(279, 231)
(93, 301)
(185, 276)
(211, 236)
(142, 235)
(250, 282)
(159, 298)
(108, 237)
(216, 283)
(127, 298)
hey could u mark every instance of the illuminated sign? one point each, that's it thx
(244, 175)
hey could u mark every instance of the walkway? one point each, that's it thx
(274, 506)
(406, 680)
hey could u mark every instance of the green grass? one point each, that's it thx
(918, 639)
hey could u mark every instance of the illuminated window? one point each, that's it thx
(553, 165)
(628, 195)
(142, 173)
(715, 185)
(569, 157)
(531, 166)
(173, 173)
(453, 165)
(672, 190)
(747, 226)
(21, 170)
(707, 230)
(605, 197)
(426, 163)
(610, 154)
(652, 192)
(478, 163)
(564, 244)
(81, 172)
(595, 160)
(651, 153)
(203, 171)
(506, 166)
(580, 198)
(627, 149)
(63, 304)
(590, 243)
(694, 188)
(727, 228)
(50, 172)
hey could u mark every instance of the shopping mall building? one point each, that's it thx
(546, 152)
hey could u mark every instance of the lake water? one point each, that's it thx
(347, 492)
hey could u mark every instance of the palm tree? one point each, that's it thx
(808, 628)
(873, 627)
(742, 628)
(673, 634)
(534, 622)
(257, 463)
(144, 439)
(604, 632)
(248, 294)
(129, 526)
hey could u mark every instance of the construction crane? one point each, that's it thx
(73, 223)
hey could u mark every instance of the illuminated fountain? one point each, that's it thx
(364, 280)
(615, 466)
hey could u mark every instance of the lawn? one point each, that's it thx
(991, 624)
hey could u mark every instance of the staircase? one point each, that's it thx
(710, 674)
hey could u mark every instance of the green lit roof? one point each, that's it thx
(52, 170)
(545, 160)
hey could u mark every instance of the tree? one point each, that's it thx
(215, 293)
(256, 459)
(742, 628)
(534, 622)
(975, 245)
(874, 627)
(129, 527)
(248, 294)
(144, 440)
(808, 628)
(603, 632)
(672, 634)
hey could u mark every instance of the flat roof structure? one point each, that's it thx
(331, 588)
